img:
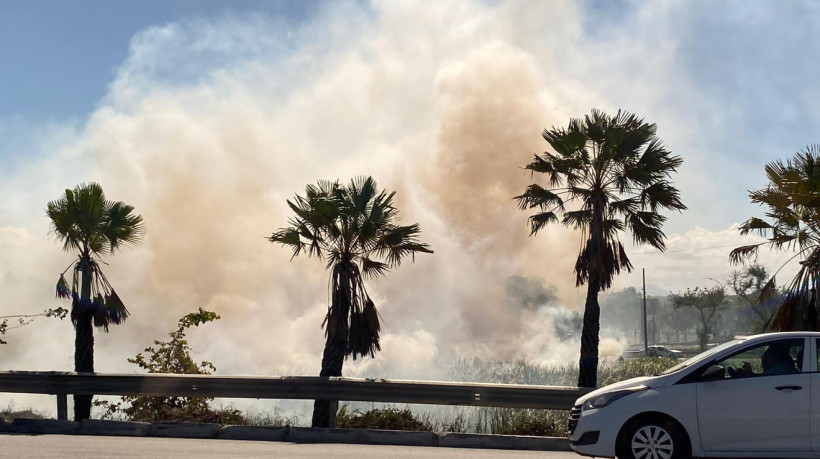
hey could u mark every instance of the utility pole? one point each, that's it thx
(645, 329)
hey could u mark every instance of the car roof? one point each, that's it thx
(793, 334)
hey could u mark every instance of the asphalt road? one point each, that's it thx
(79, 446)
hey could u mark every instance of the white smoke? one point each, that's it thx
(210, 125)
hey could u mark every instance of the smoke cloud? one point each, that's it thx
(210, 126)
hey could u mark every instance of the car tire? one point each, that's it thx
(653, 437)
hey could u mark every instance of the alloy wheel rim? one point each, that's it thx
(652, 442)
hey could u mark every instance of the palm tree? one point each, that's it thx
(792, 200)
(616, 173)
(87, 222)
(354, 229)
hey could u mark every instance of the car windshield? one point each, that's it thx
(703, 355)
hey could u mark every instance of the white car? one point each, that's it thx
(756, 396)
(663, 351)
(655, 350)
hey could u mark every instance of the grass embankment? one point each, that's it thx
(505, 421)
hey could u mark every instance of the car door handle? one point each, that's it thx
(789, 387)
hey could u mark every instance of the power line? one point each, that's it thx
(686, 250)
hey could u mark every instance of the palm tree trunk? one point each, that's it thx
(84, 339)
(588, 362)
(333, 357)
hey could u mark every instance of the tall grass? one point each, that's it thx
(511, 421)
(10, 412)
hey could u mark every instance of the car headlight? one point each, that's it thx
(606, 398)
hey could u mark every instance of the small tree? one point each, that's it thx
(708, 302)
(747, 284)
(173, 356)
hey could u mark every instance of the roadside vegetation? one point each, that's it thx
(174, 356)
(10, 413)
(500, 421)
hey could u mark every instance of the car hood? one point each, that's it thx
(649, 381)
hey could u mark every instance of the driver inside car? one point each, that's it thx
(775, 361)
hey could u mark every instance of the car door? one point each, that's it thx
(813, 362)
(761, 410)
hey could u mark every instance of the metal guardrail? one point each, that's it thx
(288, 387)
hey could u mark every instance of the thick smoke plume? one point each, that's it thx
(210, 126)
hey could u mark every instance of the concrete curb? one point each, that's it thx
(44, 426)
(288, 434)
(362, 436)
(253, 433)
(184, 429)
(320, 435)
(120, 428)
(469, 440)
(400, 437)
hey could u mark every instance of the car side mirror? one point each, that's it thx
(713, 373)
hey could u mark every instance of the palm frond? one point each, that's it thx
(350, 226)
(372, 268)
(645, 228)
(744, 252)
(121, 225)
(615, 165)
(661, 195)
(540, 220)
(536, 196)
(289, 237)
(755, 224)
(578, 219)
(84, 219)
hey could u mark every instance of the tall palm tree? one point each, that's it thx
(354, 229)
(615, 173)
(88, 223)
(792, 201)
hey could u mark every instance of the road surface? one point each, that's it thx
(80, 446)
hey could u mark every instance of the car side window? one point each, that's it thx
(818, 353)
(768, 359)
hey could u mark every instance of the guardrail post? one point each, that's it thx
(334, 407)
(62, 407)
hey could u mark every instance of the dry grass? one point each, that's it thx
(509, 421)
(9, 413)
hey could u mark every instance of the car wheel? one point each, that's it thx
(653, 438)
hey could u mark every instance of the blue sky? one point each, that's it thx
(59, 57)
(207, 115)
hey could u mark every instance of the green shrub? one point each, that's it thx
(379, 418)
(512, 421)
(173, 356)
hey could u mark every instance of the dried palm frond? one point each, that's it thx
(744, 252)
(62, 288)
